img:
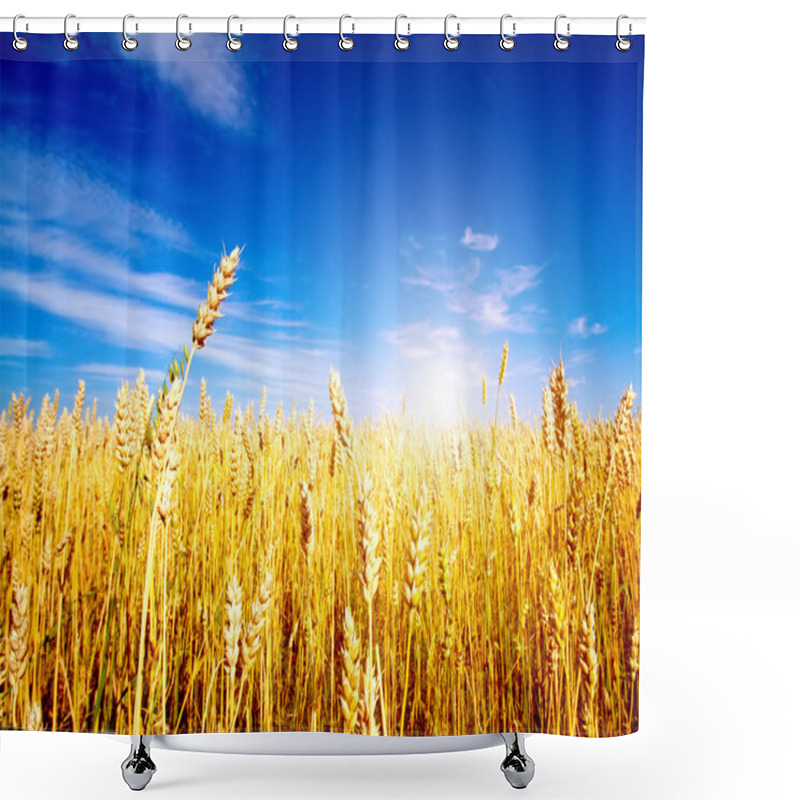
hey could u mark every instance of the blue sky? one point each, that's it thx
(401, 221)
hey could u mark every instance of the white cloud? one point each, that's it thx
(418, 340)
(118, 372)
(490, 306)
(66, 215)
(581, 327)
(578, 357)
(64, 193)
(479, 241)
(487, 301)
(216, 90)
(250, 312)
(62, 248)
(294, 372)
(18, 347)
(123, 321)
(278, 305)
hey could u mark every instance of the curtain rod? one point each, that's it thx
(514, 26)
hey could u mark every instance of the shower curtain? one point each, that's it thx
(321, 385)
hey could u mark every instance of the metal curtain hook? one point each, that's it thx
(181, 41)
(70, 42)
(345, 42)
(233, 44)
(289, 43)
(451, 42)
(401, 42)
(19, 43)
(507, 42)
(128, 42)
(561, 43)
(622, 44)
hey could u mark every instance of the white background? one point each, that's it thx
(720, 694)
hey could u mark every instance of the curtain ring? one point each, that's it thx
(181, 42)
(70, 42)
(623, 44)
(233, 44)
(19, 43)
(401, 42)
(345, 42)
(128, 42)
(561, 43)
(289, 43)
(507, 42)
(451, 42)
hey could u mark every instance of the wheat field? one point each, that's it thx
(241, 571)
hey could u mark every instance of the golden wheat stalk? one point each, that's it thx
(341, 419)
(33, 718)
(416, 568)
(18, 640)
(512, 410)
(416, 560)
(306, 523)
(251, 640)
(5, 470)
(367, 723)
(351, 673)
(369, 540)
(555, 617)
(588, 669)
(559, 391)
(121, 427)
(548, 422)
(167, 414)
(201, 330)
(208, 313)
(77, 408)
(230, 637)
(165, 502)
(634, 651)
(623, 424)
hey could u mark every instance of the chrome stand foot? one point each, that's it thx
(517, 766)
(138, 768)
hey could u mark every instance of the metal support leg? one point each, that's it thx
(138, 768)
(517, 766)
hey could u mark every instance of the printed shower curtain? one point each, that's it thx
(321, 385)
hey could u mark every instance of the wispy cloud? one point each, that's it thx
(418, 340)
(293, 371)
(19, 347)
(117, 372)
(479, 241)
(278, 305)
(578, 357)
(254, 313)
(61, 248)
(580, 327)
(216, 90)
(121, 320)
(485, 299)
(68, 216)
(65, 193)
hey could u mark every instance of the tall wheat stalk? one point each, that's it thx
(203, 327)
